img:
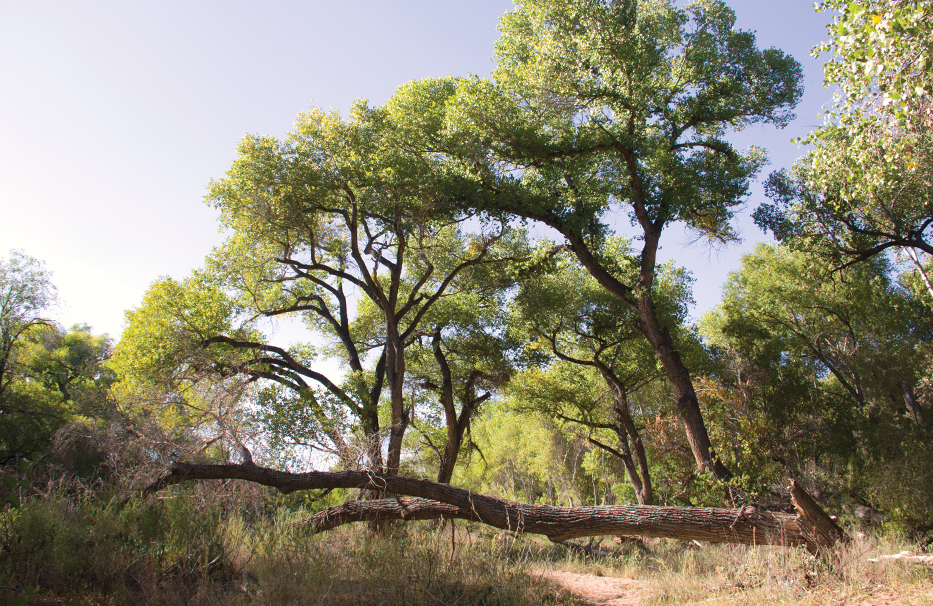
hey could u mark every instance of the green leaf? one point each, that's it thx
(9, 482)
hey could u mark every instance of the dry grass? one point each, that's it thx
(192, 549)
(735, 574)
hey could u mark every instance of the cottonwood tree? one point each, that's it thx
(598, 109)
(580, 323)
(593, 105)
(860, 328)
(340, 224)
(826, 373)
(864, 190)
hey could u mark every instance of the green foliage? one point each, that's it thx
(16, 483)
(170, 324)
(56, 377)
(864, 189)
(882, 55)
(616, 105)
(27, 416)
(818, 375)
(526, 456)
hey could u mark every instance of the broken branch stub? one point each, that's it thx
(819, 530)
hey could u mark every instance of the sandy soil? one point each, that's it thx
(598, 591)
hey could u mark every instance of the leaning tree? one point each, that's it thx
(599, 108)
(581, 324)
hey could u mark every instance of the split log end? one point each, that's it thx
(820, 531)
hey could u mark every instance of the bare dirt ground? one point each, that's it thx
(593, 590)
(598, 591)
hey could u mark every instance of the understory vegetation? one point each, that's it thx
(231, 543)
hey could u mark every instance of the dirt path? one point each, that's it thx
(598, 591)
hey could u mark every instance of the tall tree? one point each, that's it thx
(605, 107)
(28, 412)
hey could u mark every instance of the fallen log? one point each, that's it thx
(747, 525)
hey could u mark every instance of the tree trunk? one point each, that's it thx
(746, 525)
(448, 460)
(644, 492)
(639, 476)
(395, 376)
(820, 530)
(688, 405)
(456, 425)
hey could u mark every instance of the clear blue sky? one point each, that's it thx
(114, 115)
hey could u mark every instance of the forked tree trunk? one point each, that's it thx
(456, 424)
(746, 525)
(633, 455)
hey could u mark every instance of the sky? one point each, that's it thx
(115, 115)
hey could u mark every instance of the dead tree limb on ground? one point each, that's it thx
(906, 556)
(747, 525)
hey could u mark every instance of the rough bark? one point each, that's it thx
(746, 525)
(454, 433)
(688, 405)
(820, 531)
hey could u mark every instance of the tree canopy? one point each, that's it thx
(864, 189)
(599, 108)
